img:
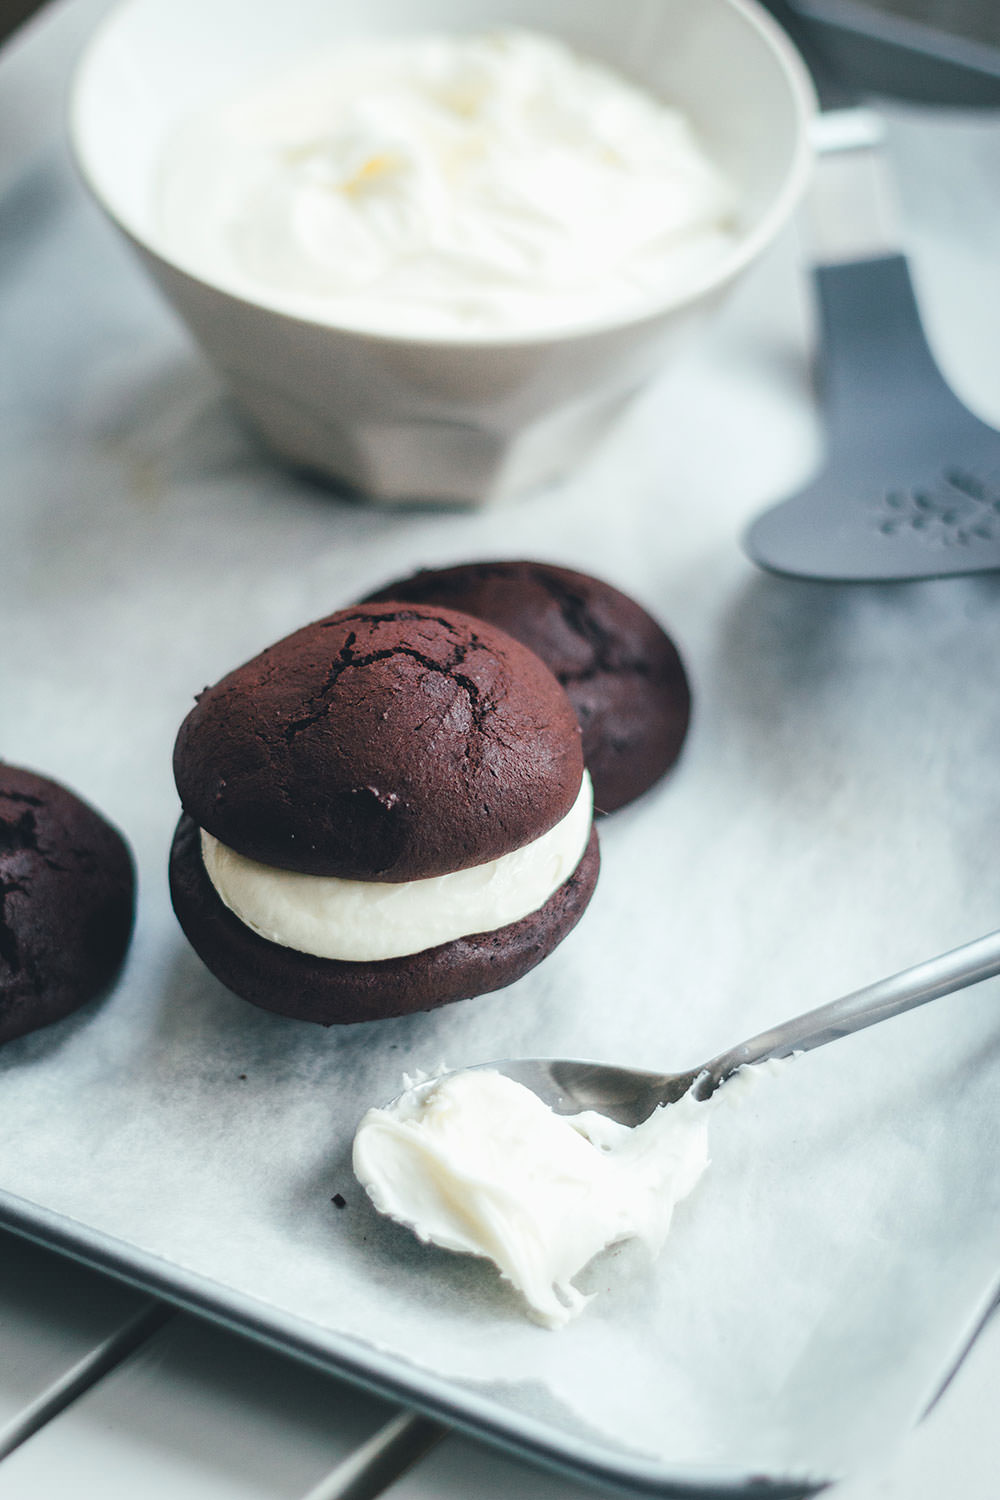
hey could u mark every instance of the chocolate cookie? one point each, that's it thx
(621, 672)
(385, 742)
(67, 902)
(385, 746)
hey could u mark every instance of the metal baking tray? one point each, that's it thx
(190, 1145)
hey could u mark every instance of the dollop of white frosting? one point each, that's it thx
(364, 920)
(475, 1162)
(435, 184)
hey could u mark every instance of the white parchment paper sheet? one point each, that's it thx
(834, 817)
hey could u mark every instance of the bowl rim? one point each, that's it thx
(645, 311)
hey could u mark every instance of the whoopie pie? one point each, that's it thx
(384, 811)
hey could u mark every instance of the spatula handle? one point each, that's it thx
(876, 369)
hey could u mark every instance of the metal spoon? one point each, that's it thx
(630, 1096)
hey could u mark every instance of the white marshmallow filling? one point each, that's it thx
(368, 920)
(476, 1162)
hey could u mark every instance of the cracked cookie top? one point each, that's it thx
(386, 742)
(620, 669)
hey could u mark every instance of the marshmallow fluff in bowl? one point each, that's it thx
(496, 182)
(445, 289)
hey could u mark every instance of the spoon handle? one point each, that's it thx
(876, 1002)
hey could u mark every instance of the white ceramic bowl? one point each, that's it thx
(449, 419)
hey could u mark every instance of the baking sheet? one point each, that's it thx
(832, 819)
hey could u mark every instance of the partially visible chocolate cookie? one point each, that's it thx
(334, 992)
(621, 672)
(67, 902)
(389, 742)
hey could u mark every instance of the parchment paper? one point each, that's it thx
(834, 818)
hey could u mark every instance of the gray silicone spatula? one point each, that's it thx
(910, 486)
